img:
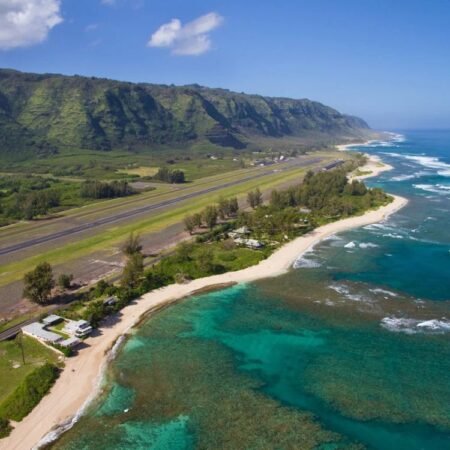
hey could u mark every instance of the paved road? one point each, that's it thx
(129, 214)
(14, 331)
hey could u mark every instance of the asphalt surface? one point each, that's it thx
(129, 214)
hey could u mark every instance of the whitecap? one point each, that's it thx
(399, 324)
(435, 325)
(440, 189)
(393, 235)
(333, 237)
(403, 177)
(350, 245)
(367, 245)
(384, 292)
(345, 292)
(412, 326)
(305, 263)
(431, 162)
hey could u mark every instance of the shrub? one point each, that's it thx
(29, 393)
(65, 281)
(5, 427)
(66, 351)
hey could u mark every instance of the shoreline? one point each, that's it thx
(81, 378)
(374, 165)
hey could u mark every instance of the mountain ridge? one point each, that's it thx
(43, 113)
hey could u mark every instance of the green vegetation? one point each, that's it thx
(254, 198)
(65, 281)
(12, 368)
(112, 237)
(38, 284)
(97, 189)
(29, 197)
(43, 115)
(133, 270)
(323, 197)
(5, 427)
(29, 392)
(170, 176)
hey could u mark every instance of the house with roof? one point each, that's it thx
(39, 331)
(56, 330)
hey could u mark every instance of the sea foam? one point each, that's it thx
(413, 326)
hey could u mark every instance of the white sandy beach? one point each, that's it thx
(81, 376)
(374, 165)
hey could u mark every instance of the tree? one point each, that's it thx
(133, 271)
(223, 208)
(356, 188)
(177, 176)
(38, 283)
(65, 281)
(170, 176)
(254, 198)
(197, 220)
(276, 200)
(210, 216)
(204, 260)
(233, 206)
(189, 223)
(184, 252)
(132, 245)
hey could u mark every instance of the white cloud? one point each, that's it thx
(190, 39)
(27, 22)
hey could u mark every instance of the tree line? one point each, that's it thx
(99, 189)
(225, 208)
(169, 175)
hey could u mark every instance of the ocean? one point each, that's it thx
(349, 350)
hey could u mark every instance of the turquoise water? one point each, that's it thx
(350, 350)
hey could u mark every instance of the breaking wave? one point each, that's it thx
(413, 326)
(440, 189)
(430, 162)
(303, 262)
(383, 292)
(345, 292)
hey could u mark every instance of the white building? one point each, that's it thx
(78, 328)
(39, 331)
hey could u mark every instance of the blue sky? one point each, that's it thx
(386, 61)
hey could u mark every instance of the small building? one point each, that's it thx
(250, 243)
(242, 231)
(37, 330)
(78, 328)
(254, 244)
(110, 301)
(333, 165)
(52, 319)
(70, 342)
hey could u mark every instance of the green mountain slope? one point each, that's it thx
(41, 114)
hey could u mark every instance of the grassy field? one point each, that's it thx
(141, 171)
(12, 369)
(116, 163)
(99, 208)
(113, 236)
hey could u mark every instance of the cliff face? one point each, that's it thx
(41, 113)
